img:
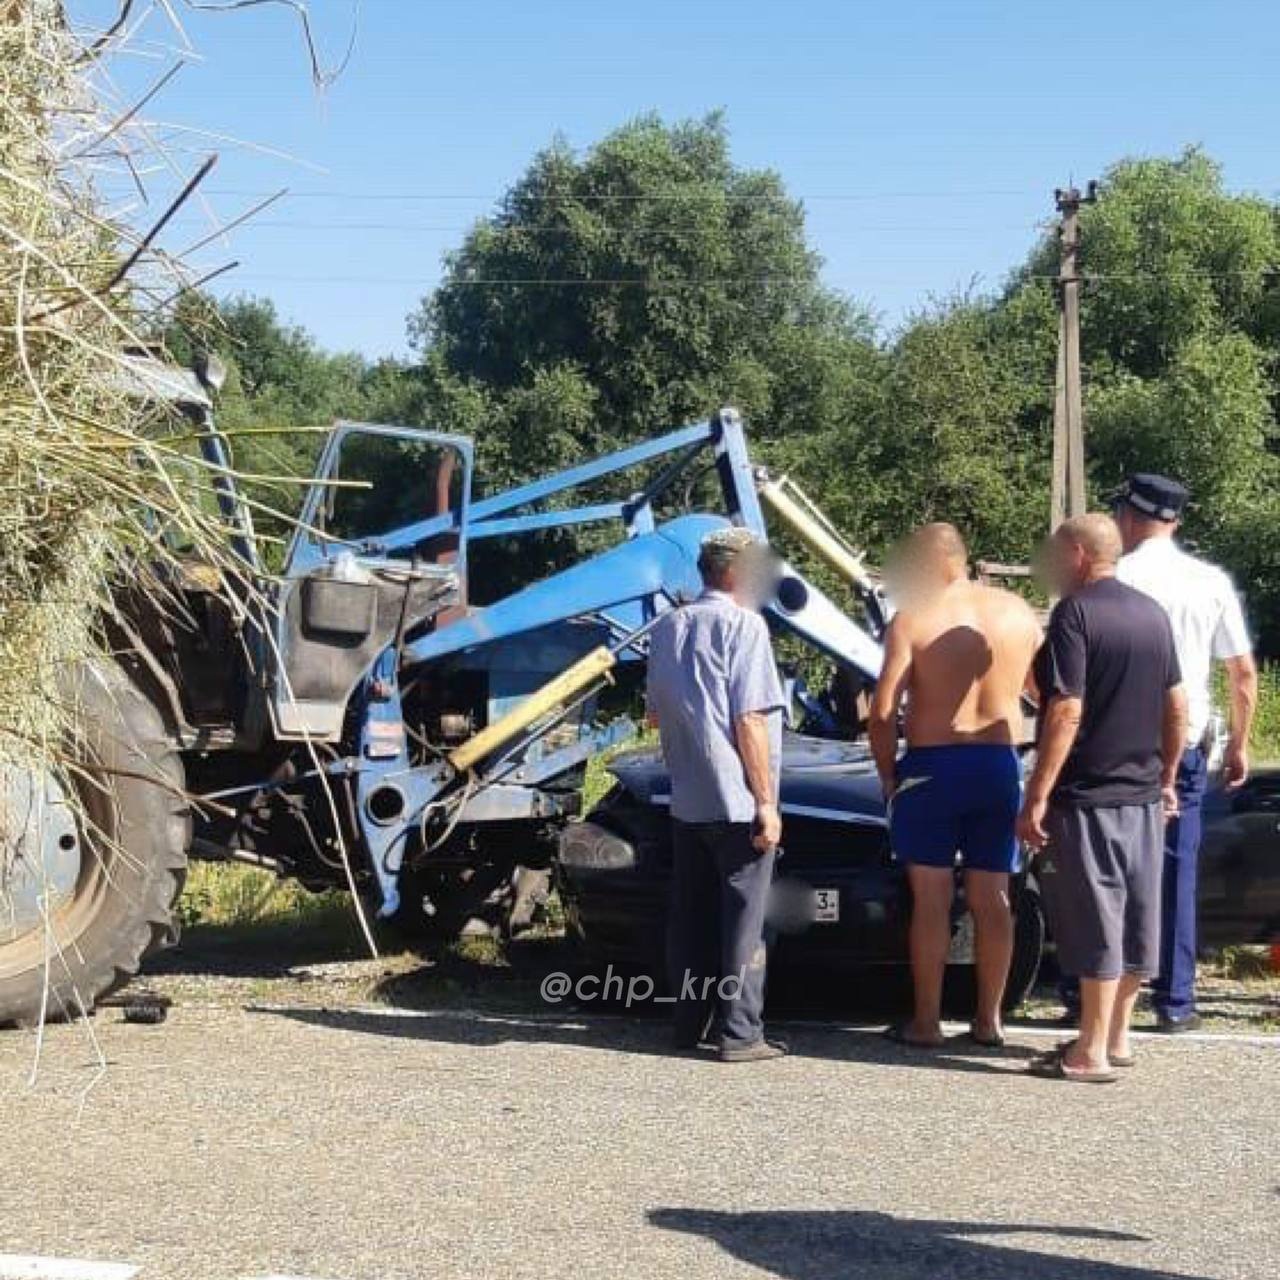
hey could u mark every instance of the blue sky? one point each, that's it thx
(925, 137)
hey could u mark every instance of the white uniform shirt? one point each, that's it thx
(1204, 610)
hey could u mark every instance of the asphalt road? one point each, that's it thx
(361, 1143)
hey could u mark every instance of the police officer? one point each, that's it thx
(1208, 624)
(715, 696)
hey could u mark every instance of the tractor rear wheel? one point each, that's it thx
(95, 859)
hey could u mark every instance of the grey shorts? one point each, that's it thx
(1100, 875)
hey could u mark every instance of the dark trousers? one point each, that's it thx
(716, 946)
(1173, 993)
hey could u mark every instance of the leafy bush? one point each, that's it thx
(1266, 728)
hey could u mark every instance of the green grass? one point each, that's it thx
(229, 896)
(1264, 742)
(599, 780)
(1246, 964)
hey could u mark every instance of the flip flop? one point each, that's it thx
(1053, 1066)
(897, 1034)
(985, 1042)
(1124, 1061)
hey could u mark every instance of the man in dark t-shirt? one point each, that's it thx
(1113, 723)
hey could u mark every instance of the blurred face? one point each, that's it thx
(1127, 522)
(914, 573)
(754, 575)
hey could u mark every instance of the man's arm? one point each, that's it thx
(1173, 741)
(751, 736)
(1057, 737)
(1242, 676)
(882, 721)
(650, 688)
(1232, 646)
(1062, 702)
(1031, 686)
(755, 693)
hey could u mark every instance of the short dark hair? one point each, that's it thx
(1096, 534)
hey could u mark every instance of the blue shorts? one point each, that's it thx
(957, 799)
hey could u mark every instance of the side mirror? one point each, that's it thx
(210, 371)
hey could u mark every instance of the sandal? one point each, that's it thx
(1053, 1066)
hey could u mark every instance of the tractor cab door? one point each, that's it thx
(380, 552)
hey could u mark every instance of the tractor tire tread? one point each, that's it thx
(150, 924)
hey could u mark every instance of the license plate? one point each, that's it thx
(826, 906)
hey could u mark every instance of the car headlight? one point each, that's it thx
(586, 846)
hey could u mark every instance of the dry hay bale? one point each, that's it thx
(89, 469)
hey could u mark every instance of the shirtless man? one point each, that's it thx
(959, 654)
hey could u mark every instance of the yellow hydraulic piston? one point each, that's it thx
(554, 694)
(812, 529)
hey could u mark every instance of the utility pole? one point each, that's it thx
(1068, 497)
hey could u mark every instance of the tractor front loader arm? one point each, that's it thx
(412, 792)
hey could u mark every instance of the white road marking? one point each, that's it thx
(1014, 1030)
(17, 1266)
(21, 1266)
(1257, 1039)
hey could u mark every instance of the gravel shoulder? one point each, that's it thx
(377, 1142)
(386, 1120)
(323, 963)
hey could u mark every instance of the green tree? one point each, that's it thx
(1171, 256)
(956, 431)
(282, 392)
(1180, 345)
(638, 285)
(631, 289)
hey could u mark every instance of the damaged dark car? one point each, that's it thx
(841, 900)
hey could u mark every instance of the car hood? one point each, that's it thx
(820, 778)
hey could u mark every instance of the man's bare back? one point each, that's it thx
(969, 649)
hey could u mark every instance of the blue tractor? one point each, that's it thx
(395, 711)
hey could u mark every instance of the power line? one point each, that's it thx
(548, 229)
(621, 197)
(583, 282)
(707, 282)
(1103, 277)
